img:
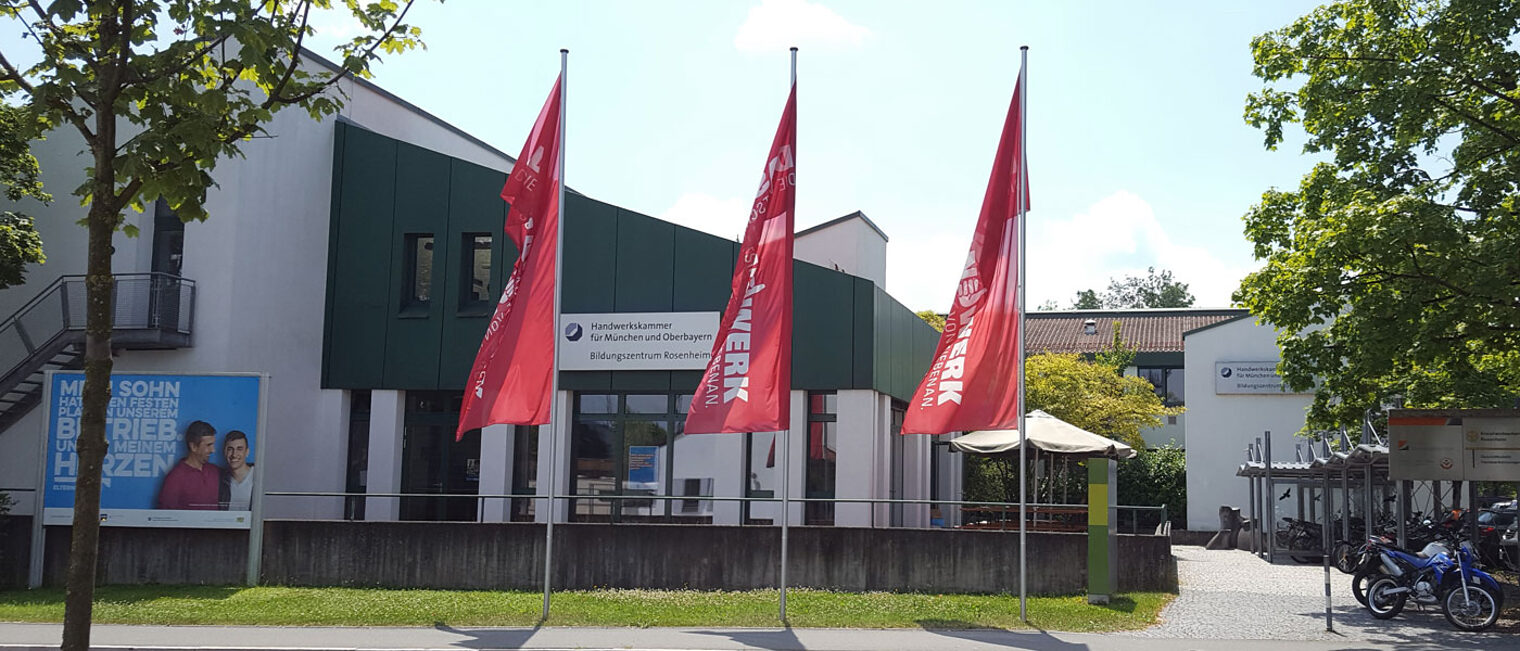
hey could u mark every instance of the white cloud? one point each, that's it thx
(725, 218)
(778, 24)
(923, 269)
(1119, 236)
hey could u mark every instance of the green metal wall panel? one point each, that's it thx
(475, 206)
(1153, 359)
(904, 347)
(685, 381)
(822, 326)
(847, 332)
(657, 381)
(863, 340)
(644, 280)
(360, 267)
(421, 208)
(591, 232)
(881, 340)
(704, 269)
(600, 381)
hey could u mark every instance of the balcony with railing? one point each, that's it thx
(149, 311)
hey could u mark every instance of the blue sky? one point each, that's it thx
(1138, 152)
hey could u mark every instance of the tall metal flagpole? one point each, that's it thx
(1023, 433)
(786, 449)
(559, 265)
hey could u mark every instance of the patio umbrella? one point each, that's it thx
(1046, 433)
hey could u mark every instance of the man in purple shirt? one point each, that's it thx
(194, 482)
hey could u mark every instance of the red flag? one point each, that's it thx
(512, 378)
(973, 383)
(746, 385)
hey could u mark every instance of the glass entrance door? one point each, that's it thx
(434, 463)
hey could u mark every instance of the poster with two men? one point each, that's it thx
(183, 450)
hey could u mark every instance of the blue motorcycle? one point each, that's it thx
(1469, 597)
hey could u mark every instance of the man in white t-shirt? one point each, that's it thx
(237, 477)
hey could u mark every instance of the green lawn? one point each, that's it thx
(274, 606)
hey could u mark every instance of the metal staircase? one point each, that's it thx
(152, 311)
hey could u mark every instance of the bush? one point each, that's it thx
(1156, 477)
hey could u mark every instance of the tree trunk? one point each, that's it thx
(84, 548)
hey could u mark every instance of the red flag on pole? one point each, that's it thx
(746, 385)
(974, 382)
(512, 378)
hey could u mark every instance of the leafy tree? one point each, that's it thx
(1049, 305)
(19, 242)
(161, 90)
(1153, 290)
(1392, 270)
(1117, 356)
(1093, 397)
(932, 318)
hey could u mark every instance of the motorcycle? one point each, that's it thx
(1469, 597)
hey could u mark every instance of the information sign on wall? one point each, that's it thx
(656, 341)
(183, 450)
(1248, 378)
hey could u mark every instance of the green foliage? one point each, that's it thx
(190, 80)
(1392, 270)
(19, 244)
(1156, 477)
(1117, 356)
(1093, 396)
(932, 318)
(1153, 290)
(18, 167)
(1087, 299)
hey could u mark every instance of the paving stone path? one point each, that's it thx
(1232, 594)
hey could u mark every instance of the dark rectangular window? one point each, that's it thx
(417, 285)
(1167, 383)
(823, 436)
(475, 273)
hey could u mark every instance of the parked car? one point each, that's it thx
(1494, 525)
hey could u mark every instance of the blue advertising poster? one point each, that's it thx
(643, 464)
(182, 450)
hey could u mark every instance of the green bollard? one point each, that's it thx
(1102, 528)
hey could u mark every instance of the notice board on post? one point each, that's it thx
(1454, 444)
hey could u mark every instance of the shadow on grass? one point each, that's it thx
(1119, 604)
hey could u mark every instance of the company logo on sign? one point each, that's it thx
(573, 332)
(1226, 372)
(1446, 464)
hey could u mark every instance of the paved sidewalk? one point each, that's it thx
(1234, 594)
(15, 637)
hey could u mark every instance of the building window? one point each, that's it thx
(358, 454)
(1167, 382)
(417, 285)
(476, 273)
(631, 445)
(524, 472)
(823, 441)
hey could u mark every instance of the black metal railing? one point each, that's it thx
(151, 302)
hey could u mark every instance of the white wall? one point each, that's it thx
(260, 267)
(851, 246)
(1220, 426)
